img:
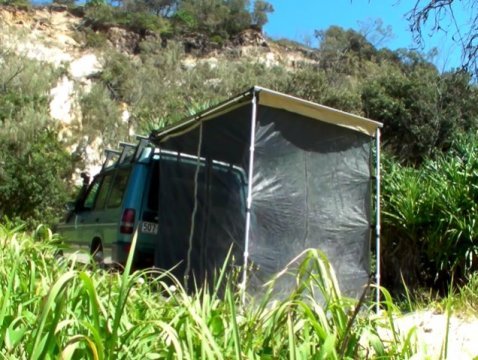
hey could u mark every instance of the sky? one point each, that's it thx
(297, 20)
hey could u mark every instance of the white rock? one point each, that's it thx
(61, 104)
(86, 65)
(40, 52)
(189, 63)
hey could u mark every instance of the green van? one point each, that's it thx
(152, 190)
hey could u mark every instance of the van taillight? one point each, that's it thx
(126, 248)
(127, 221)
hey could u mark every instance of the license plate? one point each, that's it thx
(149, 228)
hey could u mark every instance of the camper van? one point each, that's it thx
(156, 192)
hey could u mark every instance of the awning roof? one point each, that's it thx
(277, 100)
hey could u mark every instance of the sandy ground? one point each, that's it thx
(430, 334)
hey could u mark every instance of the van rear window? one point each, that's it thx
(118, 189)
(91, 195)
(103, 191)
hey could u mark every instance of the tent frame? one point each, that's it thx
(377, 218)
(300, 106)
(249, 195)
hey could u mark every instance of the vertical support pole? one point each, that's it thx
(249, 195)
(195, 209)
(377, 216)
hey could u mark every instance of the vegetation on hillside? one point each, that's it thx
(34, 165)
(219, 19)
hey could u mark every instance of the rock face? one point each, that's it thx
(50, 35)
(250, 37)
(123, 40)
(47, 35)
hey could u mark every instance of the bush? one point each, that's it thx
(95, 39)
(33, 164)
(102, 16)
(34, 178)
(24, 4)
(422, 111)
(430, 231)
(101, 116)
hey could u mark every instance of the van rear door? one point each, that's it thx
(148, 216)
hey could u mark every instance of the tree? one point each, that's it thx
(375, 32)
(423, 111)
(343, 50)
(259, 15)
(440, 15)
(239, 17)
(164, 8)
(33, 178)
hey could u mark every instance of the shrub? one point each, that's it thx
(95, 39)
(34, 178)
(25, 4)
(33, 164)
(102, 16)
(430, 230)
(421, 109)
(101, 116)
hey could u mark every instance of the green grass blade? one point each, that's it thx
(39, 339)
(235, 327)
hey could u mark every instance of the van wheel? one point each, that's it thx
(97, 251)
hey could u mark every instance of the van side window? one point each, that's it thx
(118, 189)
(91, 195)
(103, 191)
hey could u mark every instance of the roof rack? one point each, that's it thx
(143, 142)
(127, 152)
(110, 155)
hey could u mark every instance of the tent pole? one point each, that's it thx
(195, 210)
(249, 195)
(377, 214)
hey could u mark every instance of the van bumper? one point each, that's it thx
(143, 257)
(120, 251)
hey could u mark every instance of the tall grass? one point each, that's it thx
(430, 222)
(56, 308)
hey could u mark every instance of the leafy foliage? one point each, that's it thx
(33, 178)
(52, 308)
(160, 75)
(19, 3)
(429, 222)
(342, 50)
(101, 16)
(259, 15)
(101, 116)
(421, 109)
(34, 166)
(212, 17)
